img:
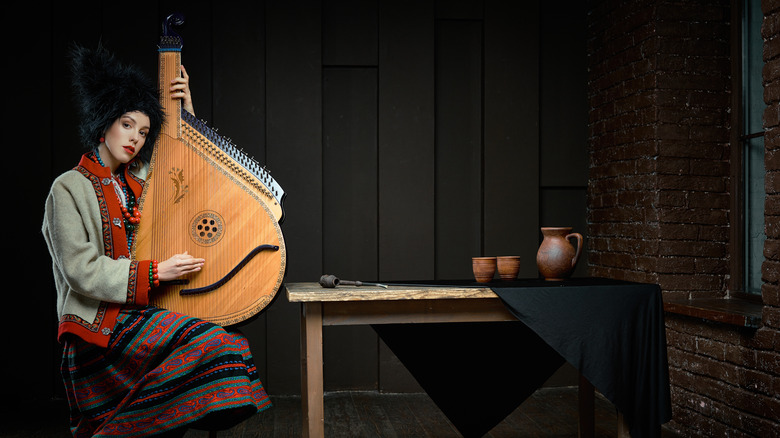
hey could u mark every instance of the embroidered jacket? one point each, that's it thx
(85, 234)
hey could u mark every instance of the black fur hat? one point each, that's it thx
(105, 89)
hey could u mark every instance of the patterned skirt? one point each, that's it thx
(162, 371)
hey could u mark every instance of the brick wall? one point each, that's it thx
(659, 195)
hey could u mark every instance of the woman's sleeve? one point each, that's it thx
(72, 229)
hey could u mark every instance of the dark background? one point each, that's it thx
(409, 136)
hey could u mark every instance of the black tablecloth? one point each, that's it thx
(478, 373)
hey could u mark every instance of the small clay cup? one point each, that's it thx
(484, 268)
(508, 267)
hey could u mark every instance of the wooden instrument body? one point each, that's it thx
(202, 197)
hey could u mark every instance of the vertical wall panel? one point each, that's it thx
(83, 29)
(294, 154)
(458, 168)
(239, 75)
(511, 188)
(32, 119)
(563, 102)
(406, 152)
(133, 41)
(349, 168)
(349, 32)
(349, 171)
(459, 9)
(563, 161)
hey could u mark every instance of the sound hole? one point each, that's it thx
(207, 228)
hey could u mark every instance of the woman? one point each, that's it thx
(131, 369)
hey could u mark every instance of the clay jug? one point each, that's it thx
(557, 257)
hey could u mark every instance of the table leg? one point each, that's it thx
(586, 408)
(312, 392)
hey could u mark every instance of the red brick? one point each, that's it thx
(711, 348)
(711, 266)
(772, 249)
(771, 113)
(757, 381)
(768, 361)
(771, 316)
(771, 95)
(771, 49)
(680, 231)
(719, 233)
(772, 205)
(689, 283)
(695, 183)
(771, 294)
(711, 200)
(692, 216)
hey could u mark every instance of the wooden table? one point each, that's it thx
(350, 305)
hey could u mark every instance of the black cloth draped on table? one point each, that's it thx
(478, 373)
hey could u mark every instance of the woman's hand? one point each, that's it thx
(177, 266)
(180, 89)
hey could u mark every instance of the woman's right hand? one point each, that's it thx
(180, 89)
(178, 266)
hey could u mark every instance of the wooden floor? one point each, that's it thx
(550, 412)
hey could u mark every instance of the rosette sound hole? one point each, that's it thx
(207, 228)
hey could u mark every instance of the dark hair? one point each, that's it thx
(105, 89)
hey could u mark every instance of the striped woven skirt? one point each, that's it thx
(162, 371)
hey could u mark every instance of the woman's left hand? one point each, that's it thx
(180, 89)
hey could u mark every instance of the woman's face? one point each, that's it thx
(125, 138)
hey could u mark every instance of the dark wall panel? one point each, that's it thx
(294, 154)
(406, 154)
(459, 9)
(238, 67)
(29, 71)
(349, 32)
(349, 168)
(83, 29)
(406, 129)
(511, 188)
(458, 147)
(563, 105)
(349, 171)
(563, 122)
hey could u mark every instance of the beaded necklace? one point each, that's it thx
(127, 202)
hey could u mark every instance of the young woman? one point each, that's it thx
(131, 369)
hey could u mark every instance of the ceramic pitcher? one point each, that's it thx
(557, 257)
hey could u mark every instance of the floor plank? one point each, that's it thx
(549, 412)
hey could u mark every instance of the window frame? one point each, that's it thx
(738, 140)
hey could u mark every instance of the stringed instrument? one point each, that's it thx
(205, 196)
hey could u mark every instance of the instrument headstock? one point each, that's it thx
(170, 40)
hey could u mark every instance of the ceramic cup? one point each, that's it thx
(508, 267)
(484, 268)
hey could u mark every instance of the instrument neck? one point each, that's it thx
(169, 69)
